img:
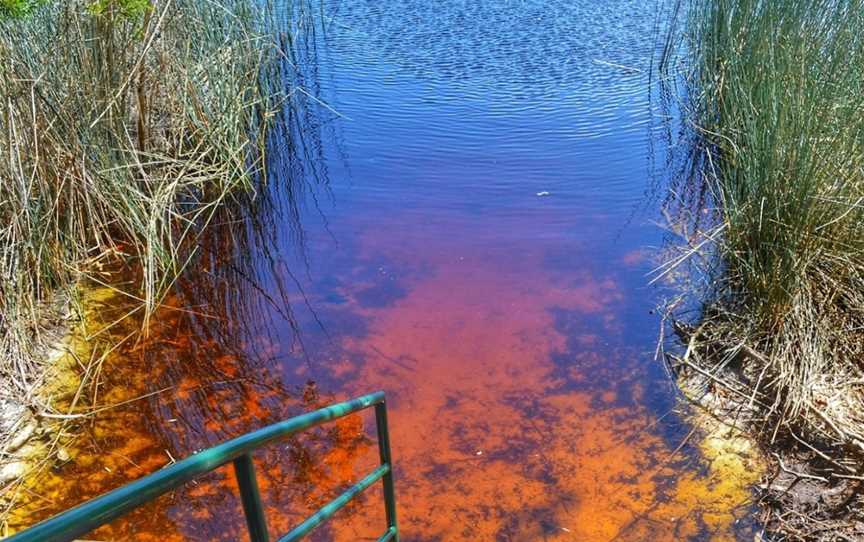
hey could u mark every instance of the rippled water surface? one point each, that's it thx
(472, 235)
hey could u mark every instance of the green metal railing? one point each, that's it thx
(84, 518)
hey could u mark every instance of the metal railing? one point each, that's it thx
(84, 518)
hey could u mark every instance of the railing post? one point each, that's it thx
(386, 458)
(244, 469)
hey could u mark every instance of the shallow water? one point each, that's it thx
(472, 235)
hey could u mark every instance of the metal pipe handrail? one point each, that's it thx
(84, 518)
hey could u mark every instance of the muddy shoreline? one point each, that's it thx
(805, 492)
(36, 427)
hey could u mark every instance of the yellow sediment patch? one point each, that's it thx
(75, 356)
(724, 492)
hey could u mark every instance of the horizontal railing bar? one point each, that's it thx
(327, 511)
(389, 535)
(84, 518)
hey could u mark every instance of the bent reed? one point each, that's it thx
(124, 125)
(775, 91)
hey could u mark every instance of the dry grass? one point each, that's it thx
(122, 133)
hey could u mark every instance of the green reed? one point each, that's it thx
(124, 125)
(775, 92)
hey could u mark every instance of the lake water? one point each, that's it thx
(470, 229)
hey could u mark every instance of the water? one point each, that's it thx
(472, 234)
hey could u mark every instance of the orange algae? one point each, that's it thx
(512, 417)
(490, 441)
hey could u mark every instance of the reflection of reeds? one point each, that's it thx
(122, 134)
(774, 90)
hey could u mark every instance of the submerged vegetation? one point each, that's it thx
(775, 91)
(125, 125)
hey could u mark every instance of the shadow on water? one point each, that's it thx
(680, 158)
(446, 226)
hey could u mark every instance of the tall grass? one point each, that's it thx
(123, 126)
(776, 91)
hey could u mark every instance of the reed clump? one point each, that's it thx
(124, 125)
(775, 90)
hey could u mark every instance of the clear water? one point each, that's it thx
(472, 234)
